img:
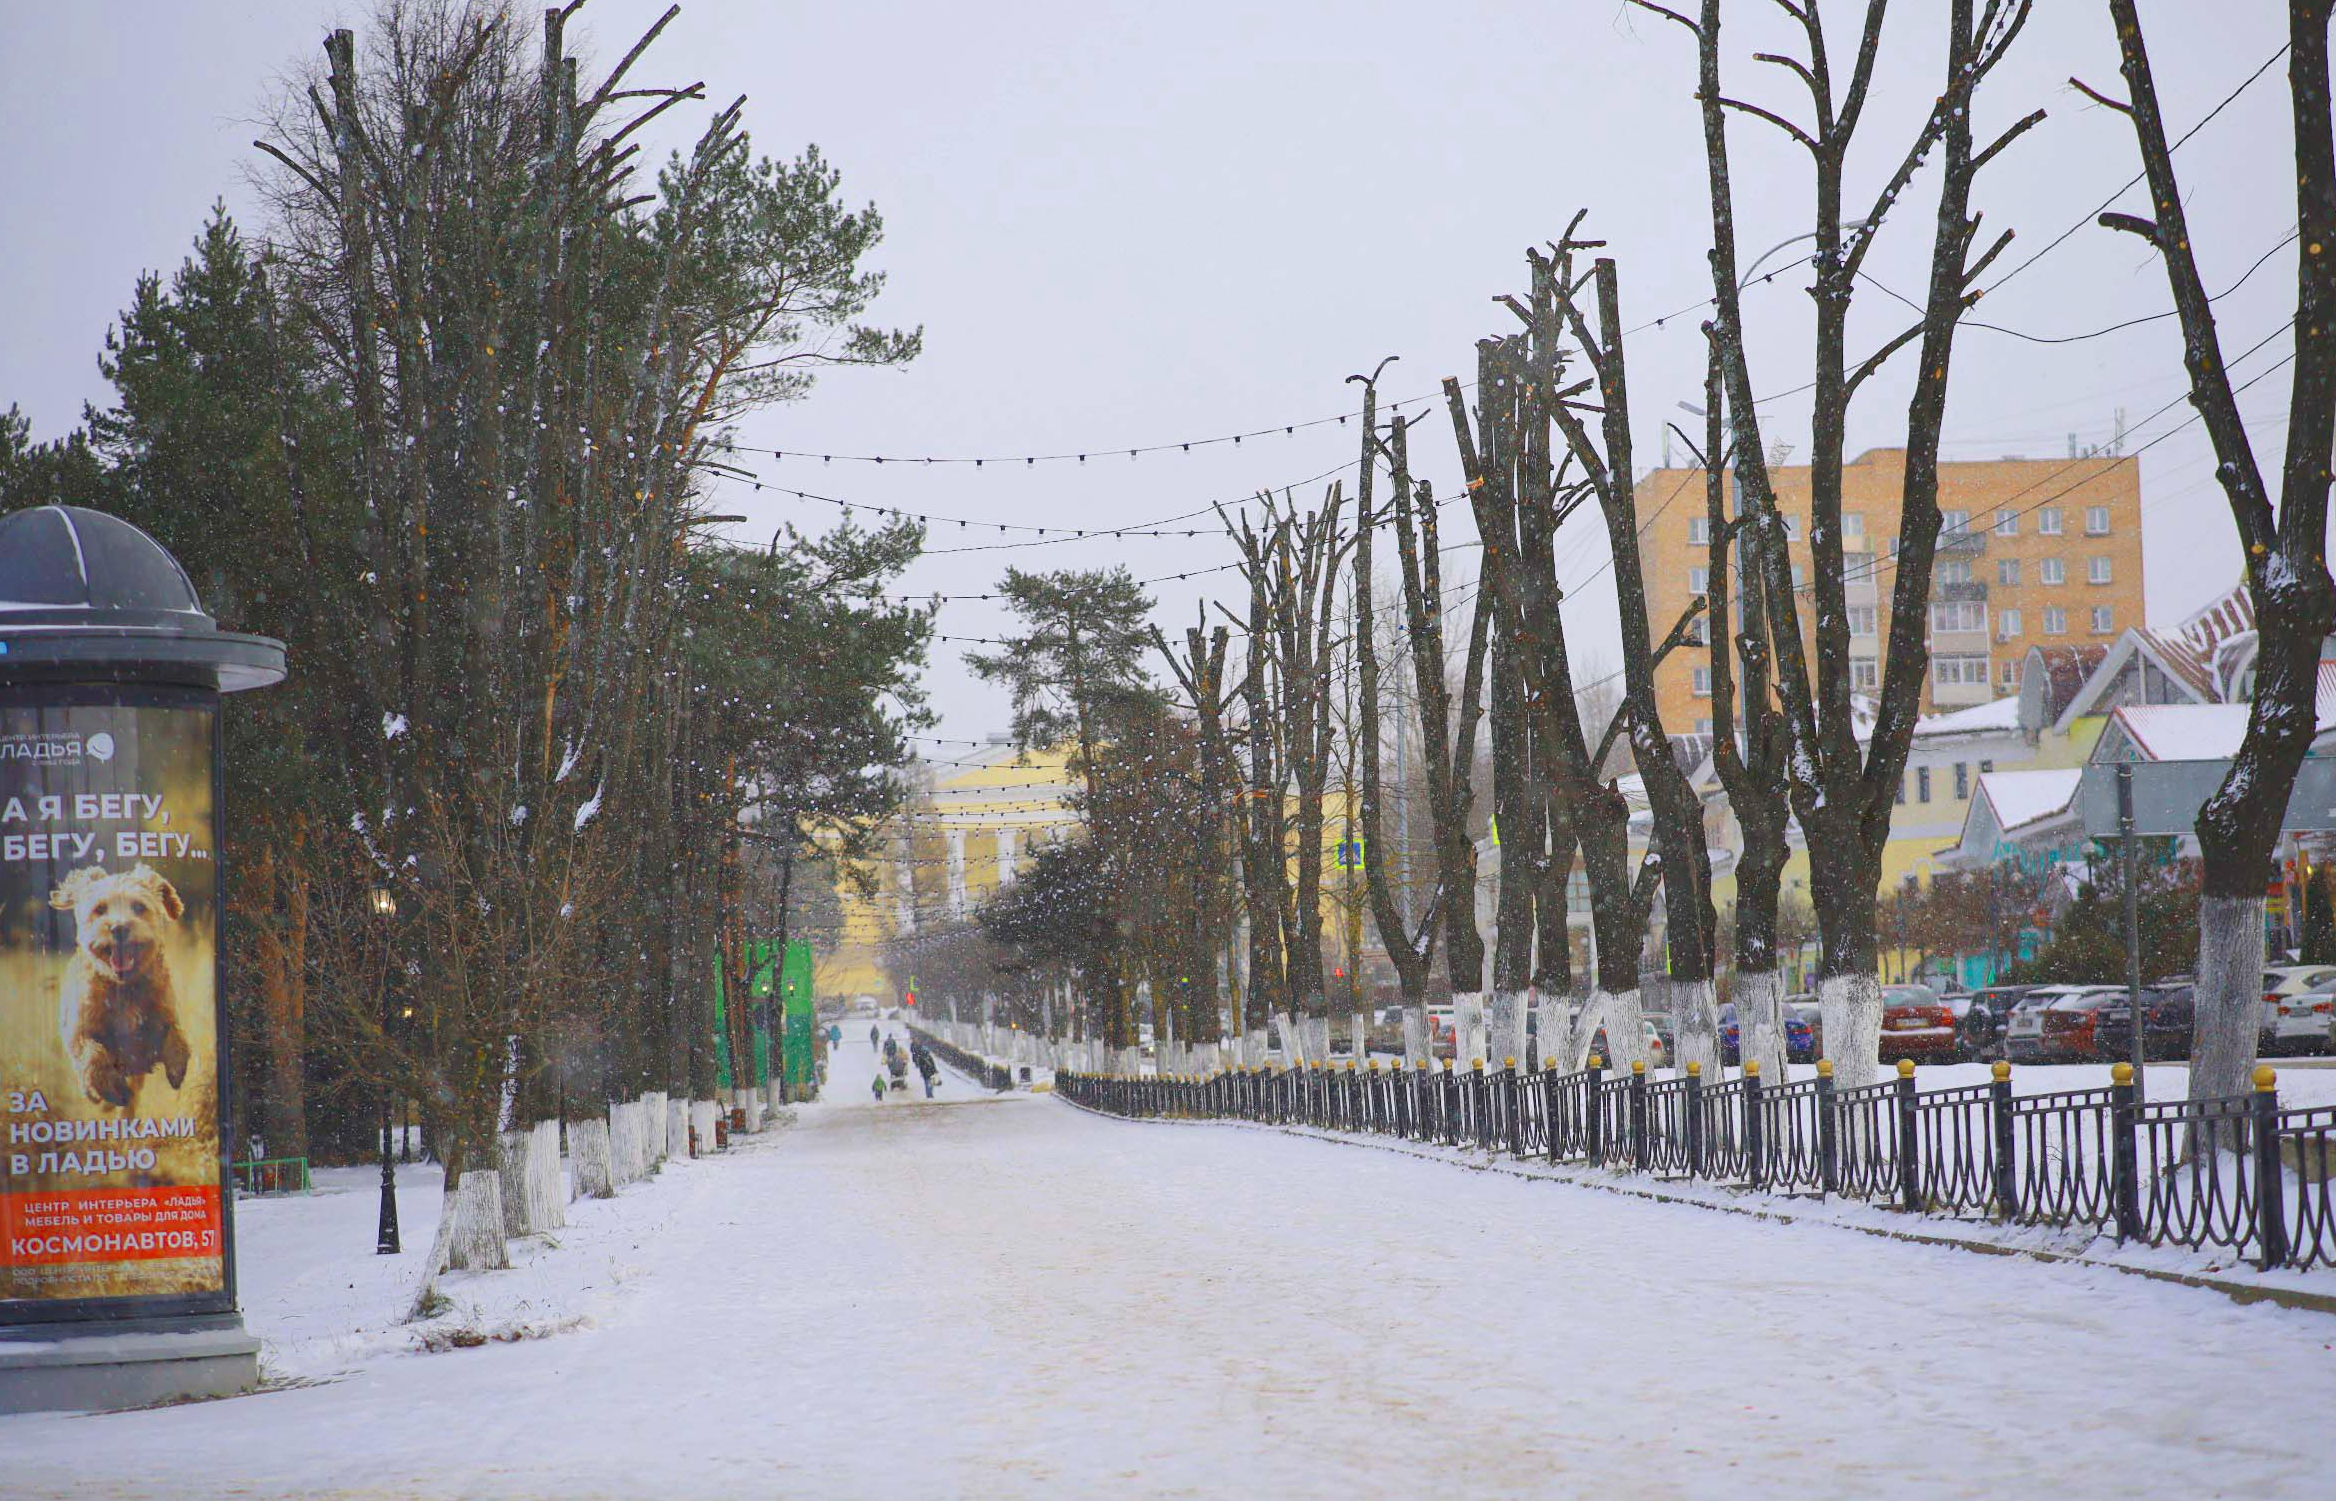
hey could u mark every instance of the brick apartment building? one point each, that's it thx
(2032, 552)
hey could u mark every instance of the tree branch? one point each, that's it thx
(1775, 119)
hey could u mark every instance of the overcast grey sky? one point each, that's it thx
(1124, 226)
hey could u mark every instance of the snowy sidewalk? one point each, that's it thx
(1007, 1297)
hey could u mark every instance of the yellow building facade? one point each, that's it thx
(2031, 552)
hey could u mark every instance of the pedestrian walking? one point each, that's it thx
(922, 1057)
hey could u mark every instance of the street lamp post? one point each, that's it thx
(385, 1241)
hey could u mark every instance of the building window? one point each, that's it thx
(1865, 673)
(1699, 530)
(1900, 799)
(2104, 622)
(1893, 547)
(1922, 784)
(1699, 580)
(1985, 767)
(1954, 523)
(2055, 621)
(1796, 578)
(1861, 620)
(1703, 727)
(2048, 522)
(2096, 521)
(1703, 682)
(2097, 570)
(1962, 780)
(2007, 572)
(2052, 571)
(1958, 615)
(1853, 524)
(2007, 523)
(1955, 571)
(1958, 672)
(2007, 623)
(2011, 672)
(1792, 525)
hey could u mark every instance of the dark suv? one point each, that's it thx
(1983, 1021)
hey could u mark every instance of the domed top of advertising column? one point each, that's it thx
(88, 597)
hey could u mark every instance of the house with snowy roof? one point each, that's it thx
(2152, 695)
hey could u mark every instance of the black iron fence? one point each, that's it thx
(2240, 1175)
(988, 1074)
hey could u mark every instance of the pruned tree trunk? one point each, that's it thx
(477, 1243)
(2285, 548)
(589, 1160)
(1842, 783)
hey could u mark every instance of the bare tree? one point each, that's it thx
(2287, 571)
(1409, 950)
(1749, 756)
(1447, 730)
(1293, 570)
(1841, 790)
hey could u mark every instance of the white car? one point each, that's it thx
(2291, 1023)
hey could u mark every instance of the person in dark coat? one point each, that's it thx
(922, 1057)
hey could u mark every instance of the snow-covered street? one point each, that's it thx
(999, 1296)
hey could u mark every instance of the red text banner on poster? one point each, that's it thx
(108, 1224)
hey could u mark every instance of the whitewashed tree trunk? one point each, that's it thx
(1253, 1048)
(753, 1113)
(1359, 1034)
(653, 1114)
(547, 1198)
(1695, 1023)
(1553, 1032)
(636, 1142)
(514, 1169)
(1210, 1059)
(1415, 1034)
(1293, 1046)
(478, 1243)
(441, 1246)
(702, 1114)
(1852, 1008)
(1758, 996)
(676, 1128)
(1468, 1035)
(2227, 1021)
(620, 1147)
(1317, 1039)
(1131, 1062)
(1620, 1014)
(588, 1159)
(1505, 1036)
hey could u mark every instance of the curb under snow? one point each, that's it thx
(2057, 1244)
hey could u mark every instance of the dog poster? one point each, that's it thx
(109, 1046)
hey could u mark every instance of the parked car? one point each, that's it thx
(1658, 1051)
(1803, 1004)
(2024, 1039)
(1983, 1024)
(1918, 1023)
(2167, 1013)
(2069, 1025)
(2291, 1023)
(1800, 1038)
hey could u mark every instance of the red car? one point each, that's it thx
(1917, 1024)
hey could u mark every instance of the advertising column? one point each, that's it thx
(110, 1019)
